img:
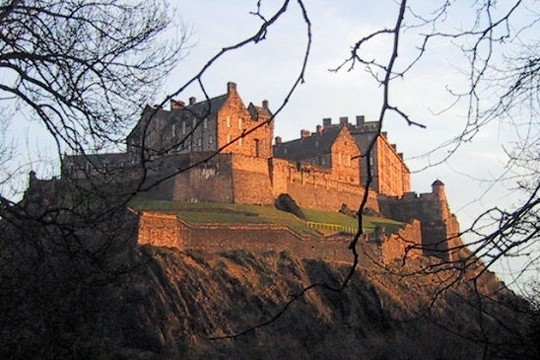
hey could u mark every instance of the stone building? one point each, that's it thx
(219, 150)
(390, 174)
(331, 148)
(220, 124)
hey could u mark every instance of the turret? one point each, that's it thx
(437, 188)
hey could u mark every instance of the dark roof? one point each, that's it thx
(204, 108)
(437, 183)
(200, 109)
(308, 147)
(257, 111)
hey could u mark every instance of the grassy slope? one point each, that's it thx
(253, 214)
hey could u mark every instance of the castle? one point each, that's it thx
(219, 150)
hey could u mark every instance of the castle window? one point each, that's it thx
(340, 159)
(229, 138)
(184, 127)
(228, 121)
(210, 139)
(199, 142)
(194, 123)
(240, 121)
(173, 130)
(240, 141)
(205, 123)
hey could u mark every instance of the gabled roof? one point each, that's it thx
(308, 147)
(258, 111)
(204, 108)
(200, 109)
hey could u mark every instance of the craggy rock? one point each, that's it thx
(285, 202)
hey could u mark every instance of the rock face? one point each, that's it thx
(285, 202)
(162, 303)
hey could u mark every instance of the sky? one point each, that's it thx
(267, 70)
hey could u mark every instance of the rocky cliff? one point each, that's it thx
(154, 303)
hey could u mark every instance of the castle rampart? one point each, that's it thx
(160, 229)
(320, 170)
(440, 229)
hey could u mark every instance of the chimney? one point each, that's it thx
(192, 100)
(343, 120)
(305, 133)
(177, 104)
(278, 140)
(360, 120)
(265, 104)
(319, 129)
(231, 87)
(326, 122)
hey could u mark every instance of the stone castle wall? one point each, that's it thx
(160, 229)
(316, 188)
(407, 242)
(440, 229)
(251, 180)
(237, 178)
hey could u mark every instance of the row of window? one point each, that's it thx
(187, 143)
(204, 125)
(240, 123)
(184, 126)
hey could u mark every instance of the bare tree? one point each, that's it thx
(84, 69)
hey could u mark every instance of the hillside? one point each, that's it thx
(153, 303)
(243, 213)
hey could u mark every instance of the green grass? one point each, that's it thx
(255, 214)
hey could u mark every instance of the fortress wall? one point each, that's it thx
(455, 243)
(316, 188)
(251, 180)
(168, 230)
(260, 238)
(426, 207)
(434, 239)
(159, 189)
(159, 229)
(440, 228)
(279, 174)
(406, 242)
(329, 197)
(207, 182)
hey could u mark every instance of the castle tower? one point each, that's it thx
(437, 188)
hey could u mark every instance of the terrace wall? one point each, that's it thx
(168, 230)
